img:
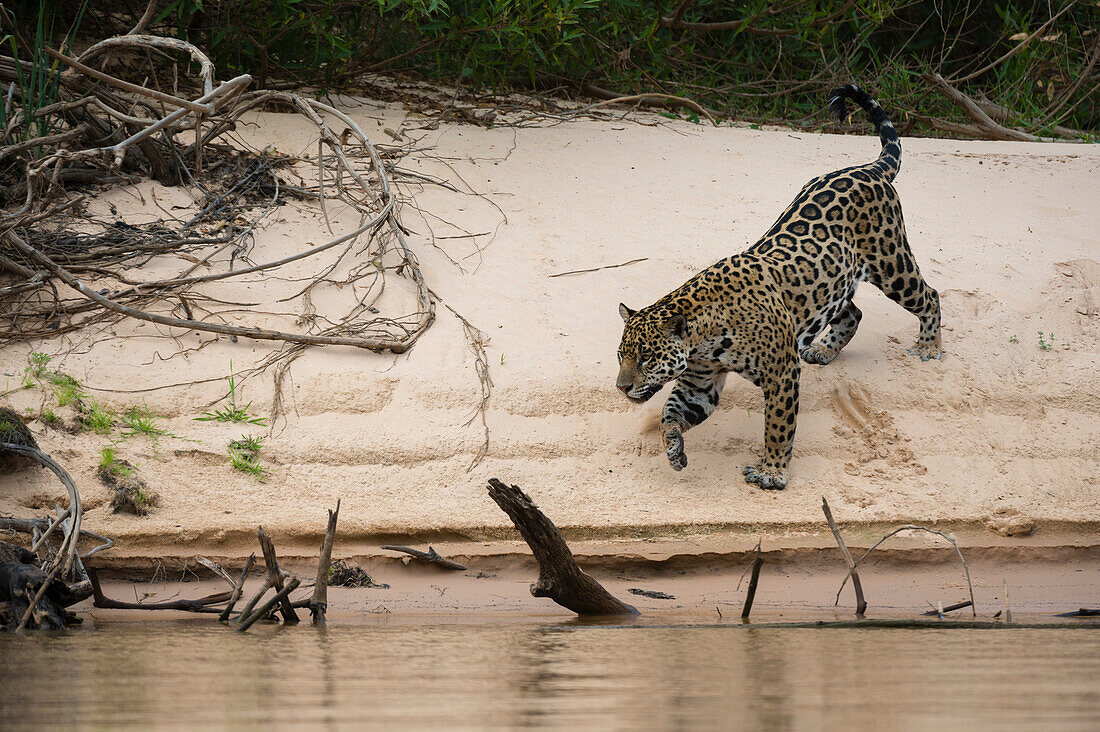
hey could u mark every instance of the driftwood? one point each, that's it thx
(861, 604)
(273, 579)
(236, 594)
(751, 594)
(950, 608)
(280, 598)
(1082, 613)
(560, 578)
(431, 556)
(318, 604)
(199, 605)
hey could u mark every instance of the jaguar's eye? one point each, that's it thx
(643, 357)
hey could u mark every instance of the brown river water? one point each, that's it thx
(492, 673)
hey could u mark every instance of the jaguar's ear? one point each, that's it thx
(625, 312)
(676, 325)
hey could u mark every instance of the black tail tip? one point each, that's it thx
(837, 99)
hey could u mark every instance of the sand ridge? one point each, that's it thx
(1007, 232)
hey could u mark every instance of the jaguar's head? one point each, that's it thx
(652, 351)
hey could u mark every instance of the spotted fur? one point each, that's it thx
(756, 313)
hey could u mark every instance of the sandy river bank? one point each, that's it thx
(1000, 438)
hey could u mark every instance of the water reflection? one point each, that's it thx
(508, 674)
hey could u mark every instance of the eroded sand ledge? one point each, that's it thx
(998, 431)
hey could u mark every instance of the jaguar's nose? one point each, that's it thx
(624, 388)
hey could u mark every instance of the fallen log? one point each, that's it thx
(560, 578)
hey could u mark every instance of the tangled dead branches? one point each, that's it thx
(67, 265)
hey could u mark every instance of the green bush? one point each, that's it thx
(769, 60)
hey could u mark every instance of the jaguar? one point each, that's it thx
(760, 313)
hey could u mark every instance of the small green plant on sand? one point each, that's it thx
(39, 362)
(140, 421)
(232, 413)
(97, 418)
(49, 418)
(244, 454)
(1013, 339)
(1046, 342)
(66, 389)
(109, 463)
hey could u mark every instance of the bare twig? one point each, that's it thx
(751, 594)
(597, 269)
(970, 586)
(861, 604)
(237, 588)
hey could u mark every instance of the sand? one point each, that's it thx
(1001, 437)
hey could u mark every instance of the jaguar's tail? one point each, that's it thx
(889, 160)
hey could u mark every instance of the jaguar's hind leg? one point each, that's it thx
(841, 331)
(899, 278)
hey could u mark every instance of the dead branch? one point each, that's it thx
(431, 556)
(1006, 116)
(560, 578)
(275, 575)
(237, 588)
(199, 605)
(645, 100)
(280, 598)
(861, 604)
(950, 608)
(597, 269)
(853, 565)
(751, 594)
(319, 602)
(988, 127)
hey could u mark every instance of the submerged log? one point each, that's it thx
(560, 578)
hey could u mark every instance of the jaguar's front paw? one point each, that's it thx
(674, 441)
(770, 479)
(926, 351)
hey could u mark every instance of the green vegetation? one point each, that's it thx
(232, 413)
(97, 418)
(752, 60)
(110, 463)
(37, 79)
(49, 418)
(140, 421)
(129, 491)
(1046, 343)
(66, 389)
(244, 455)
